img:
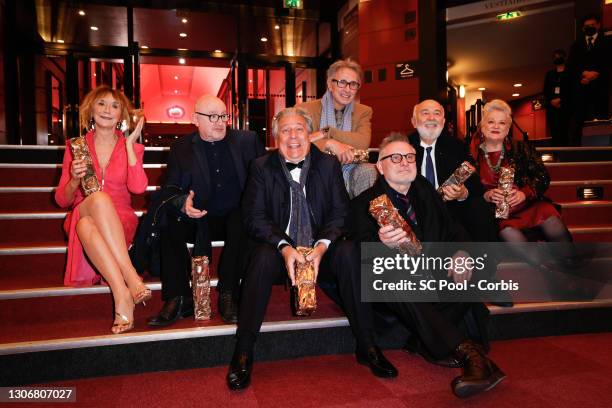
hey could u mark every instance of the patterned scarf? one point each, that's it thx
(300, 228)
(328, 116)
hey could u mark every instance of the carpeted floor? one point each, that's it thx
(568, 371)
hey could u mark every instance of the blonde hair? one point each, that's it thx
(87, 105)
(496, 105)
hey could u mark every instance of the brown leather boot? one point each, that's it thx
(479, 373)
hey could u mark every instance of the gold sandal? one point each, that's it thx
(143, 294)
(119, 328)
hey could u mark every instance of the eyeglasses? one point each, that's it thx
(354, 85)
(214, 118)
(397, 157)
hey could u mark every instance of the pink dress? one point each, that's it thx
(120, 180)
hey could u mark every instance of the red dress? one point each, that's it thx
(529, 213)
(120, 180)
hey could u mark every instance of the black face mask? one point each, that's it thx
(589, 30)
(559, 61)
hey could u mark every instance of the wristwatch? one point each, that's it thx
(325, 131)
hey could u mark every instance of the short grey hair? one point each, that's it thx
(347, 63)
(289, 112)
(393, 137)
(416, 107)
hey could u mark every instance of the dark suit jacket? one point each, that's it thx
(188, 167)
(266, 200)
(450, 153)
(188, 170)
(434, 221)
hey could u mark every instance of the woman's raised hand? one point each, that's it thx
(136, 133)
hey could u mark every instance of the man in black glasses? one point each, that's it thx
(341, 125)
(210, 168)
(434, 326)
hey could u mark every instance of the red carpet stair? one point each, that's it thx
(53, 332)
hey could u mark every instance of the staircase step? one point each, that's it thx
(599, 170)
(48, 175)
(70, 317)
(592, 234)
(34, 199)
(560, 191)
(577, 154)
(41, 265)
(587, 213)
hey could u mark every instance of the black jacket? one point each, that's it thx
(434, 221)
(266, 200)
(450, 153)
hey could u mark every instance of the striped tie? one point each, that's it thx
(409, 210)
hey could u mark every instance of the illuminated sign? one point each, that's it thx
(509, 15)
(175, 112)
(293, 4)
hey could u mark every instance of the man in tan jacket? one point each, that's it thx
(342, 125)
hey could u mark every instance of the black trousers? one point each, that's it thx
(435, 324)
(176, 261)
(340, 263)
(477, 217)
(558, 121)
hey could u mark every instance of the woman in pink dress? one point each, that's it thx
(492, 149)
(103, 224)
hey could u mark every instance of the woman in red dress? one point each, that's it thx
(529, 209)
(103, 224)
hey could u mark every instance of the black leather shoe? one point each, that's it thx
(413, 346)
(379, 365)
(239, 374)
(479, 373)
(228, 308)
(176, 308)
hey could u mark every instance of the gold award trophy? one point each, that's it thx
(385, 213)
(305, 296)
(359, 155)
(459, 176)
(80, 151)
(505, 183)
(200, 283)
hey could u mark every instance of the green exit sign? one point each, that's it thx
(294, 4)
(509, 15)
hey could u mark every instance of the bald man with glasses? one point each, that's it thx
(206, 175)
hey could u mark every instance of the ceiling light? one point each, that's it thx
(81, 12)
(277, 27)
(218, 51)
(182, 49)
(517, 85)
(461, 91)
(183, 35)
(250, 80)
(263, 39)
(94, 28)
(184, 20)
(181, 60)
(516, 94)
(144, 46)
(482, 88)
(176, 91)
(60, 41)
(176, 77)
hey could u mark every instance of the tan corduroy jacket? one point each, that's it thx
(360, 135)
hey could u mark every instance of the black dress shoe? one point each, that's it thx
(239, 374)
(228, 308)
(414, 346)
(176, 308)
(379, 365)
(479, 373)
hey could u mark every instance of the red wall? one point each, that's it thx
(533, 122)
(382, 45)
